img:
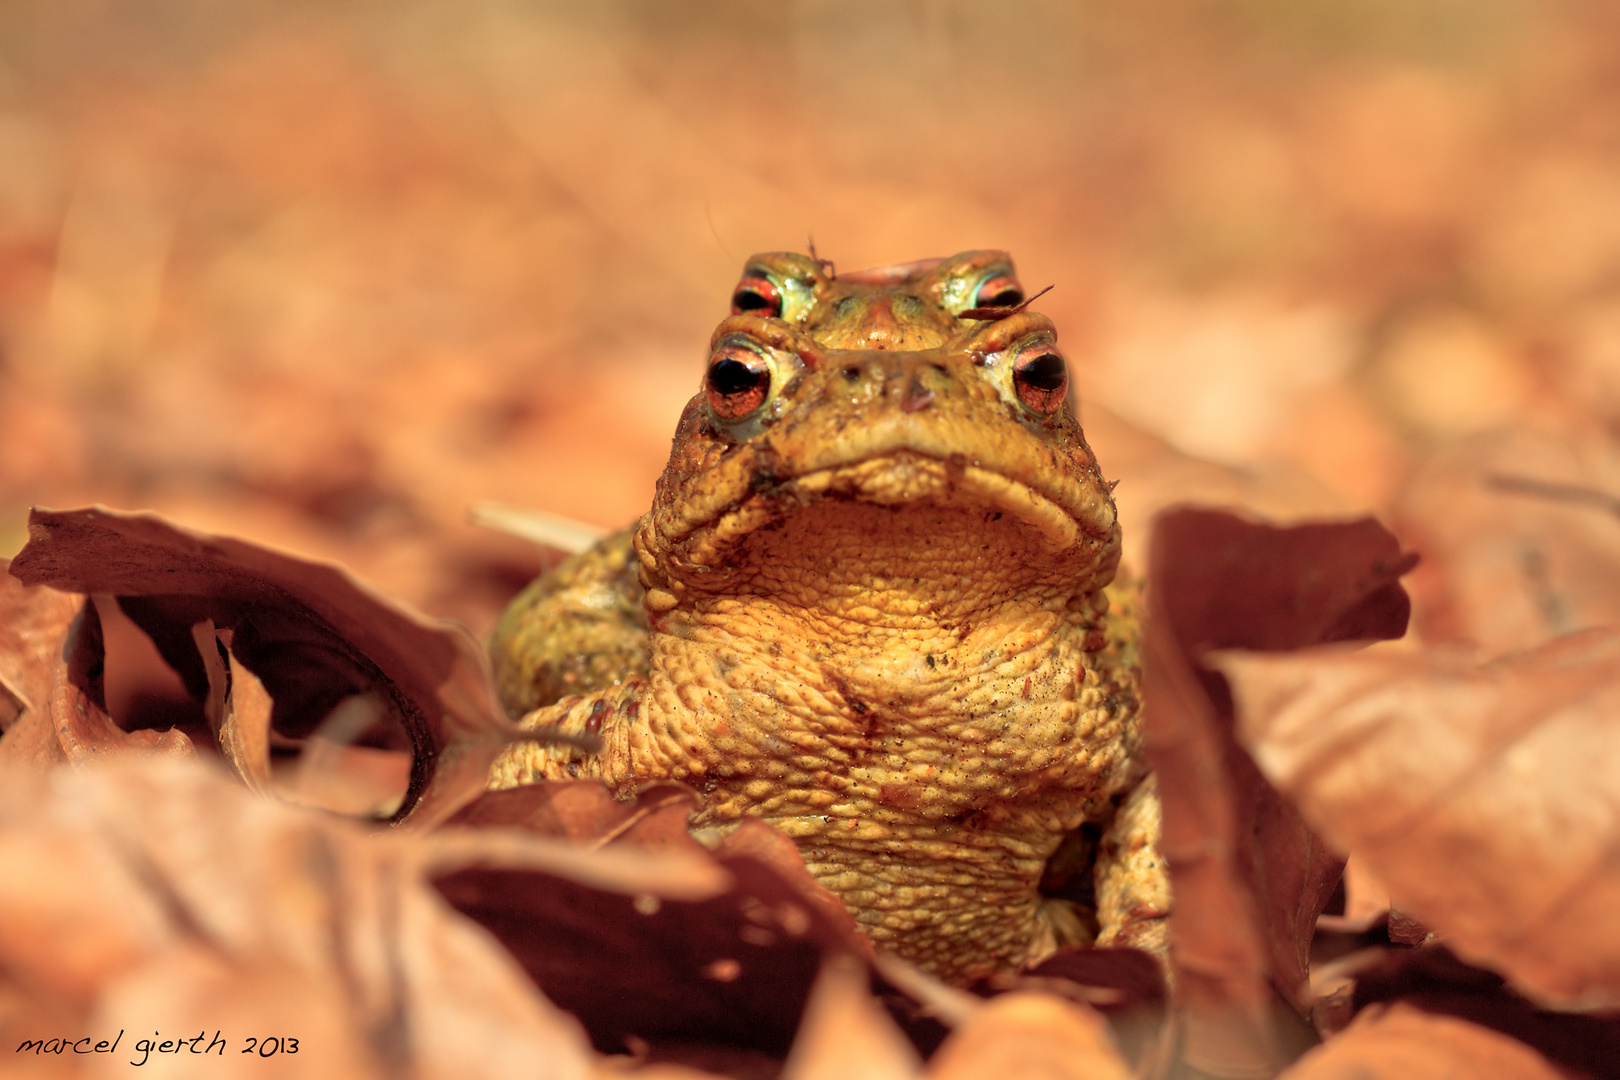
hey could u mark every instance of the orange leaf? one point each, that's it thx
(1026, 1034)
(33, 623)
(845, 1033)
(159, 896)
(1481, 795)
(1400, 1042)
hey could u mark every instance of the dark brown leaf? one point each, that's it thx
(1249, 878)
(1434, 980)
(313, 635)
(733, 968)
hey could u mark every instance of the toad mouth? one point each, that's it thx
(760, 495)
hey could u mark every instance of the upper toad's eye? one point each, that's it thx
(737, 382)
(1041, 379)
(757, 295)
(1000, 291)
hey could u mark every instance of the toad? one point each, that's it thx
(871, 605)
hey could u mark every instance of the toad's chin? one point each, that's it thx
(893, 480)
(921, 501)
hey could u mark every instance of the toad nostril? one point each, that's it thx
(852, 373)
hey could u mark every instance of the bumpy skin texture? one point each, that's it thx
(876, 576)
(578, 628)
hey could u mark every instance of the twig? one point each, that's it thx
(1554, 490)
(991, 314)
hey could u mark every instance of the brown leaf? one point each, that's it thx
(1249, 878)
(1434, 980)
(1520, 533)
(158, 896)
(85, 730)
(586, 813)
(238, 708)
(733, 968)
(1481, 795)
(846, 1033)
(1400, 1042)
(34, 622)
(1033, 1035)
(309, 631)
(1126, 986)
(757, 840)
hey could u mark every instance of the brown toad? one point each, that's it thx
(868, 605)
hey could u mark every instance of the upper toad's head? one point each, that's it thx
(905, 430)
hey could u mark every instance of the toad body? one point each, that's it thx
(870, 605)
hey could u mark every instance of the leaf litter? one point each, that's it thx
(713, 965)
(1359, 290)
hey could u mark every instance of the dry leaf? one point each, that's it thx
(1481, 795)
(310, 632)
(1520, 534)
(586, 813)
(33, 624)
(1030, 1035)
(1403, 1043)
(845, 1033)
(1126, 986)
(158, 896)
(84, 728)
(239, 709)
(1249, 878)
(733, 968)
(1433, 979)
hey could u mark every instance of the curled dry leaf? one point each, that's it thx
(1400, 1042)
(158, 896)
(33, 624)
(84, 728)
(1249, 877)
(1481, 795)
(313, 635)
(238, 709)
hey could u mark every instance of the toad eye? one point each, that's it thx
(737, 382)
(999, 291)
(757, 295)
(1041, 379)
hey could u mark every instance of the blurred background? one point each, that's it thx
(326, 275)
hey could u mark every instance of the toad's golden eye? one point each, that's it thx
(1041, 379)
(1000, 291)
(757, 295)
(737, 382)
